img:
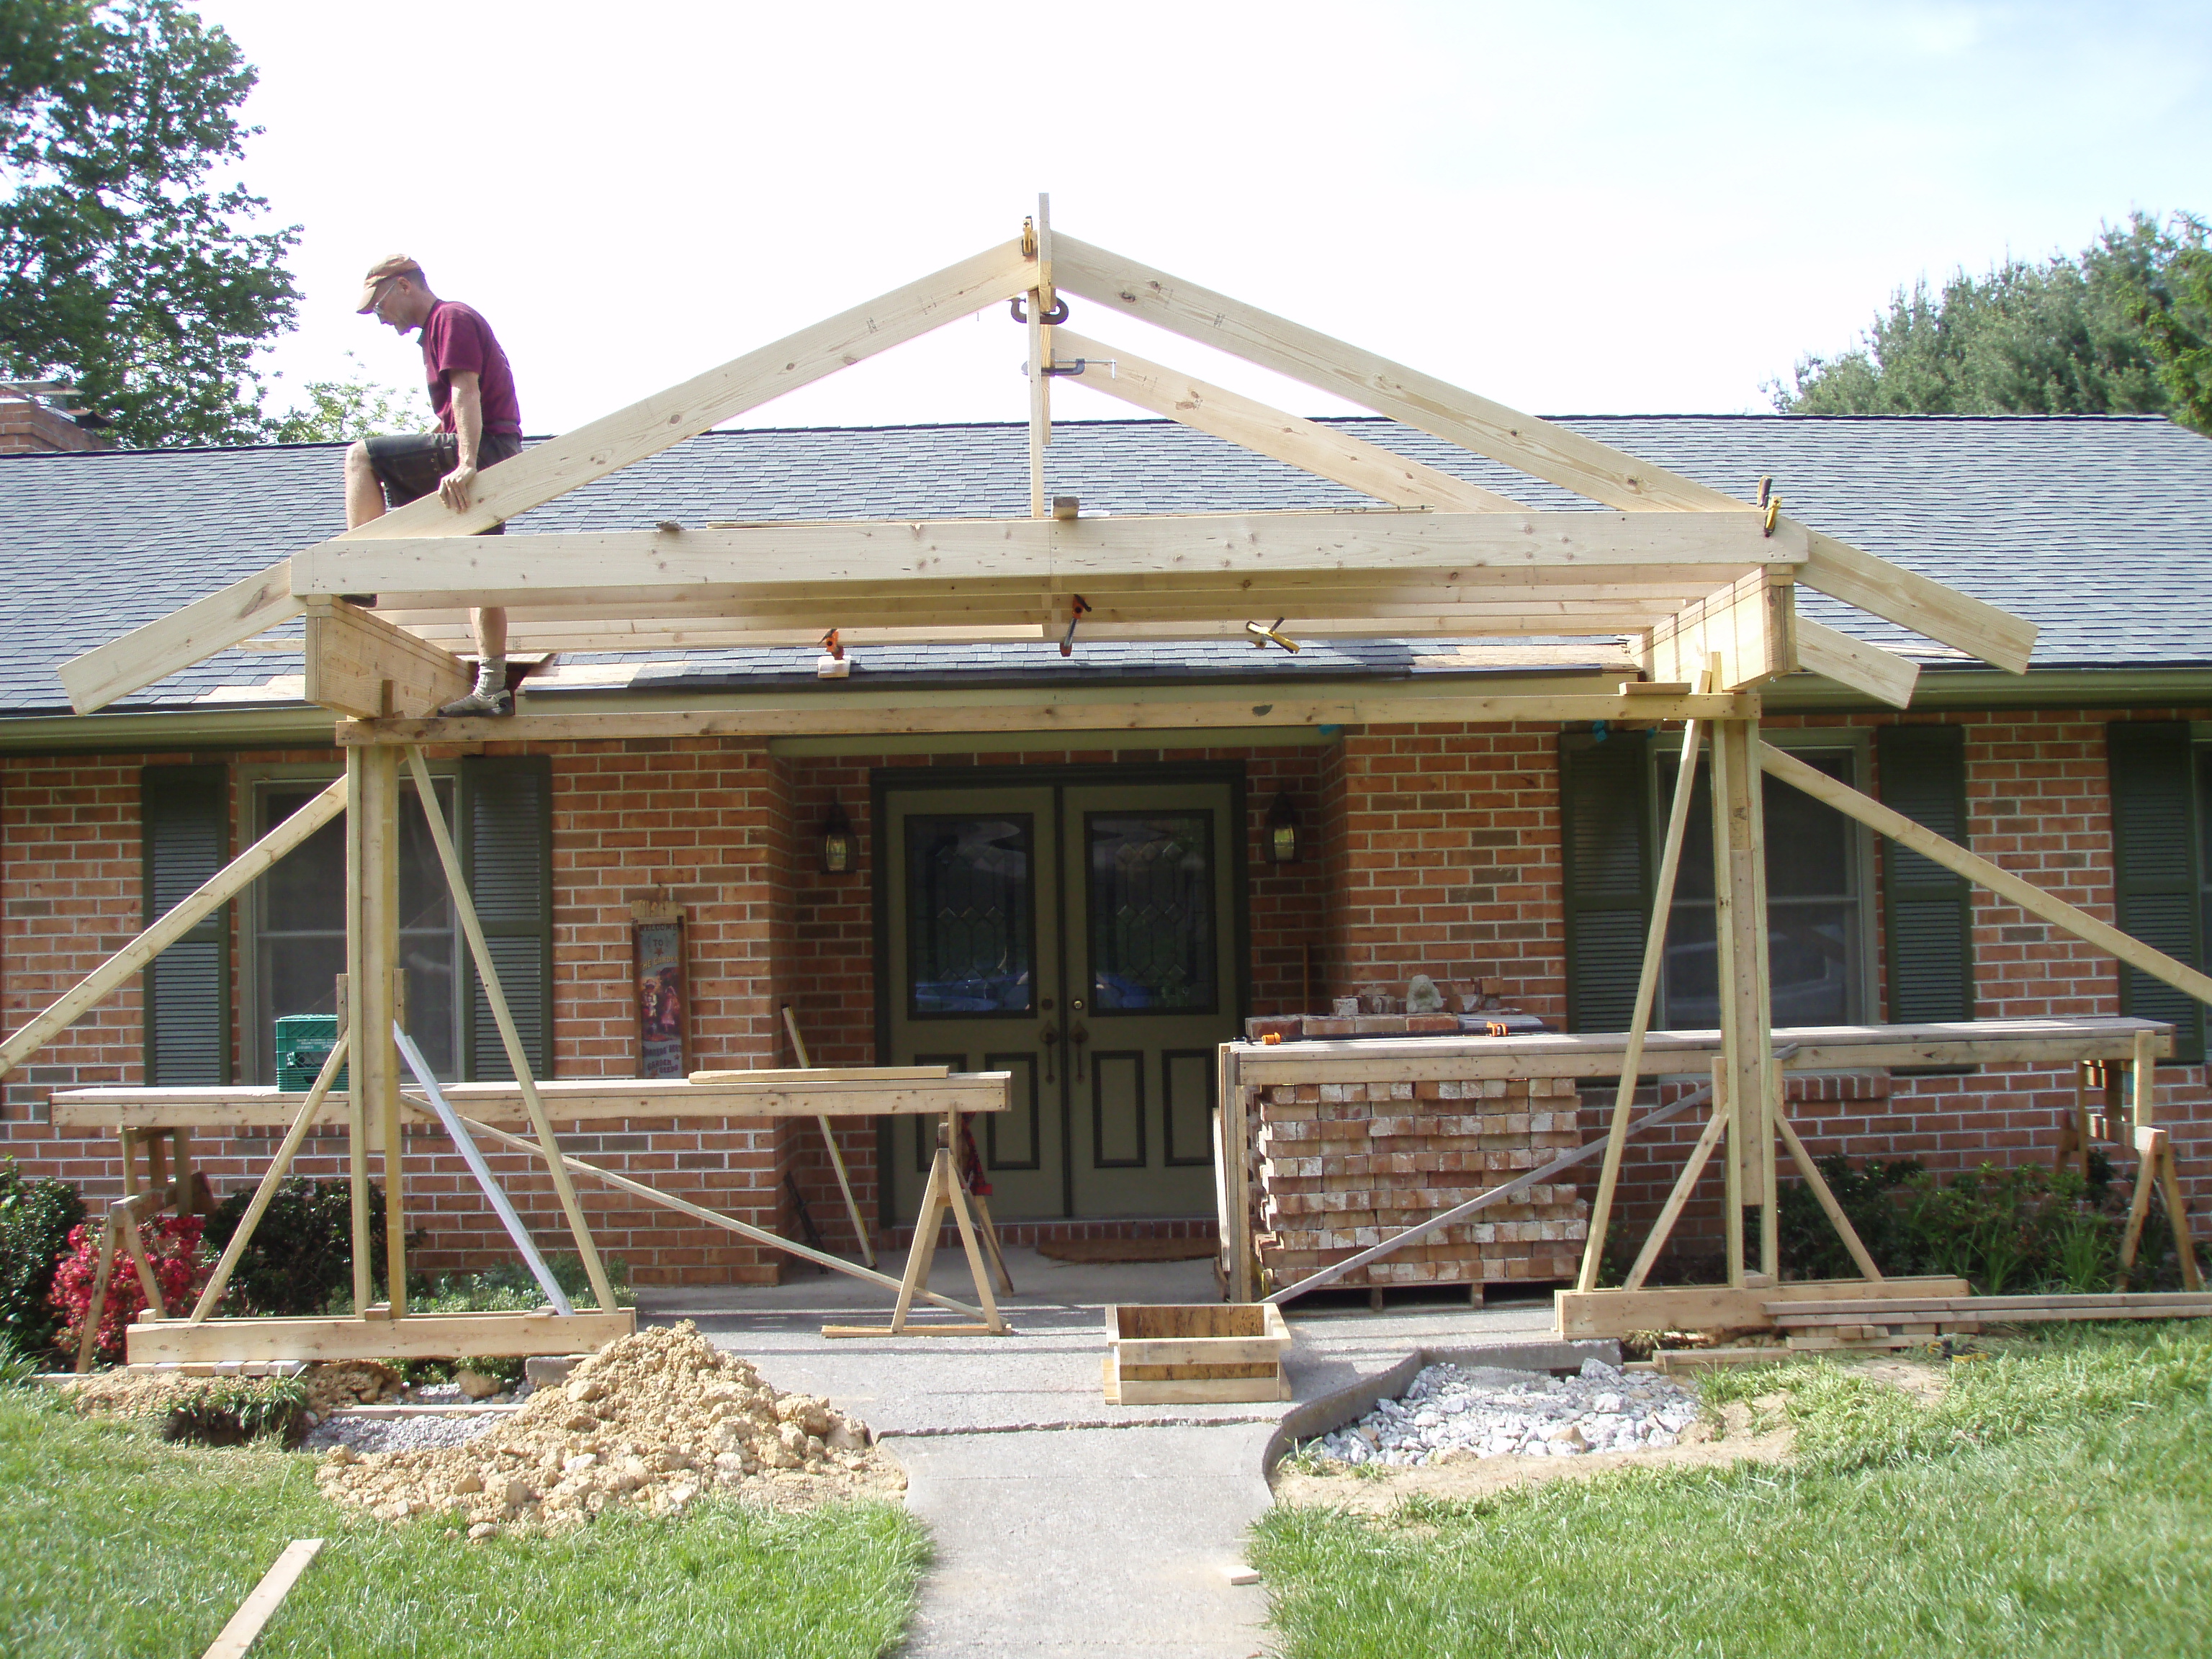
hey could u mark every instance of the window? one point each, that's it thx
(1817, 954)
(2158, 784)
(297, 942)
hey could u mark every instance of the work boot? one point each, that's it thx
(490, 696)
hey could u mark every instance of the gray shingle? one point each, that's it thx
(2099, 530)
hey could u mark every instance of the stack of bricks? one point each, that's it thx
(1341, 1166)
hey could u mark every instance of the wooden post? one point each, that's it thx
(1646, 990)
(1746, 1048)
(1041, 299)
(373, 966)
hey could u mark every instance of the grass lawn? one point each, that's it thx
(2057, 1501)
(113, 1543)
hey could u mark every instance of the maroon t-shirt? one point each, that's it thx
(456, 338)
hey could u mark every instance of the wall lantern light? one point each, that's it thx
(1283, 831)
(836, 842)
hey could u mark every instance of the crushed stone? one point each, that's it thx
(1455, 1411)
(649, 1422)
(397, 1434)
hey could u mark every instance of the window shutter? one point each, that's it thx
(2155, 867)
(185, 839)
(1605, 830)
(506, 812)
(1927, 912)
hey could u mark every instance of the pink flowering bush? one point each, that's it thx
(180, 1268)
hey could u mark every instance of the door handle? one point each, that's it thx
(1080, 1035)
(1051, 1041)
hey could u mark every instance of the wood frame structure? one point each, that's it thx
(1701, 582)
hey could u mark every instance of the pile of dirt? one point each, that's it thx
(648, 1422)
(339, 1382)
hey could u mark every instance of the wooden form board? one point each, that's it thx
(1818, 1048)
(416, 1336)
(1720, 1306)
(818, 1094)
(359, 664)
(1749, 626)
(841, 713)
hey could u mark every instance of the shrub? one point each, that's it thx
(301, 1260)
(230, 1410)
(172, 1251)
(35, 1218)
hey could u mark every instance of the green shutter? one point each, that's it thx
(506, 812)
(2154, 859)
(1605, 832)
(1927, 912)
(184, 815)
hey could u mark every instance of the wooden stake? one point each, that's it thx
(1819, 1183)
(88, 1338)
(1647, 991)
(332, 1063)
(488, 975)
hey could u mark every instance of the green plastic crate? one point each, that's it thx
(304, 1042)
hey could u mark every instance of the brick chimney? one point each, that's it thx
(28, 426)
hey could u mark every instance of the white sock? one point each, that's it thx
(491, 676)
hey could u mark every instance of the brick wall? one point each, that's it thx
(28, 428)
(1433, 850)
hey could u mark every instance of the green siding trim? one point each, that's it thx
(1927, 912)
(506, 813)
(1605, 836)
(2156, 864)
(184, 840)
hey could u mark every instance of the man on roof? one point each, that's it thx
(479, 426)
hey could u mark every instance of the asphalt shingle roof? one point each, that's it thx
(2099, 530)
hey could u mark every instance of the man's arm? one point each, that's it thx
(468, 431)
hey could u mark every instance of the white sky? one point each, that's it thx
(1570, 208)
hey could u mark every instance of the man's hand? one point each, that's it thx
(453, 488)
(468, 432)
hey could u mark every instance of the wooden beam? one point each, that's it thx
(636, 568)
(358, 663)
(422, 1336)
(1745, 631)
(376, 990)
(1882, 675)
(1919, 603)
(236, 1636)
(1583, 1313)
(1539, 447)
(218, 890)
(2029, 897)
(1042, 299)
(160, 648)
(840, 713)
(1324, 451)
(547, 469)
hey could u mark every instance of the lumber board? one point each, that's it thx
(1748, 626)
(1337, 456)
(160, 648)
(1882, 675)
(567, 1099)
(1539, 447)
(1858, 1310)
(1192, 1390)
(359, 664)
(1719, 1307)
(634, 568)
(837, 713)
(218, 890)
(1919, 603)
(1598, 1053)
(262, 1601)
(2018, 890)
(418, 1336)
(911, 1328)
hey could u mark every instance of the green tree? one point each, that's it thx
(126, 266)
(2071, 336)
(2175, 308)
(339, 411)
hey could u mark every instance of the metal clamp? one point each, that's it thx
(1057, 314)
(1262, 634)
(1081, 609)
(1772, 504)
(832, 646)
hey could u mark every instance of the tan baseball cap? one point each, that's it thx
(398, 266)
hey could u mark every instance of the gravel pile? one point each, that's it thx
(1477, 1411)
(398, 1434)
(648, 1422)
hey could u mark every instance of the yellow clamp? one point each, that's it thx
(1771, 502)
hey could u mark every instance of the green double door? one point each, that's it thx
(1084, 938)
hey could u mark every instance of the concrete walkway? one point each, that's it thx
(1063, 1525)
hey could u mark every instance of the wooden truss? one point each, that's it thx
(1701, 583)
